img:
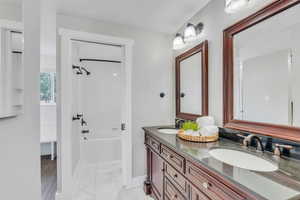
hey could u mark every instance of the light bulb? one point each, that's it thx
(233, 6)
(189, 33)
(178, 42)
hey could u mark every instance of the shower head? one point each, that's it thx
(86, 71)
(78, 69)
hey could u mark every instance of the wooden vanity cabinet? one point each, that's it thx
(171, 176)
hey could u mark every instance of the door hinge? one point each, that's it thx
(123, 126)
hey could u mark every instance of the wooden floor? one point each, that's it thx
(49, 180)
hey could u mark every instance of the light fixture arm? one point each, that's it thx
(199, 28)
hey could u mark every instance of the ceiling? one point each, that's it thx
(165, 16)
(156, 15)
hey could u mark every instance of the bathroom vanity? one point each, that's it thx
(182, 170)
(261, 94)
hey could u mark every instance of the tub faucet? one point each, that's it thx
(85, 131)
(83, 122)
(248, 141)
(77, 117)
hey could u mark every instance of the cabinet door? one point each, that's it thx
(157, 174)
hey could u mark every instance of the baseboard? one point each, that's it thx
(136, 182)
(58, 196)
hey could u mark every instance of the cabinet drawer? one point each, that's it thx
(154, 144)
(171, 192)
(166, 197)
(210, 185)
(196, 194)
(176, 178)
(173, 158)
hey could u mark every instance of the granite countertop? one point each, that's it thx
(283, 184)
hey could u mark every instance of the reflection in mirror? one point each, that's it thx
(267, 69)
(190, 84)
(11, 77)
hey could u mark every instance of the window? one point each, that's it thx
(48, 87)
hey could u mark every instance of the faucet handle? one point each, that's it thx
(285, 146)
(277, 150)
(245, 139)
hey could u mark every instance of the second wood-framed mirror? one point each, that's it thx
(192, 83)
(261, 69)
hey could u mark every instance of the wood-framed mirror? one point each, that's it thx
(261, 70)
(192, 83)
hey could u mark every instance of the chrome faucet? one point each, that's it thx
(248, 139)
(179, 122)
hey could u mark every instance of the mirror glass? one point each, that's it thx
(191, 84)
(267, 69)
(11, 59)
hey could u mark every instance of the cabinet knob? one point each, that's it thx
(205, 185)
(175, 175)
(175, 197)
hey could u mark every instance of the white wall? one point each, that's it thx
(10, 12)
(48, 127)
(19, 137)
(152, 67)
(215, 21)
(48, 64)
(268, 103)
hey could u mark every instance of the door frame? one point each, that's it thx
(64, 107)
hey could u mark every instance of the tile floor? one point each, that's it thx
(103, 182)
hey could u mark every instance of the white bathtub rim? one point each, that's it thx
(94, 139)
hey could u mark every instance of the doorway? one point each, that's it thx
(95, 91)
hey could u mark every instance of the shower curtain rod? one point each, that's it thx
(99, 60)
(114, 45)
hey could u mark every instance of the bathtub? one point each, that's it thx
(98, 150)
(99, 167)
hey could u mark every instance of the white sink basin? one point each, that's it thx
(243, 160)
(168, 130)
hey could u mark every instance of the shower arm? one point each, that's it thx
(86, 71)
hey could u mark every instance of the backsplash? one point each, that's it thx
(268, 142)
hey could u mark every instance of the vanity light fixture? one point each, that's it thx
(232, 6)
(191, 31)
(178, 42)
